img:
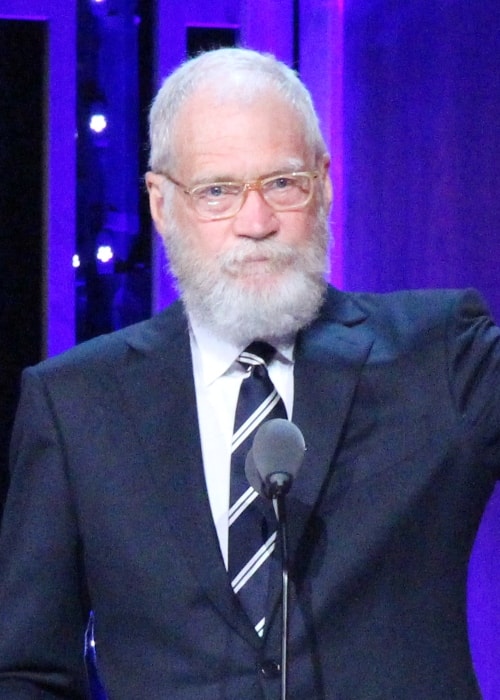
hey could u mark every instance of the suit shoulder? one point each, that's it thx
(412, 319)
(110, 348)
(421, 308)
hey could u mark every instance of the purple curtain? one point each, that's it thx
(422, 129)
(422, 184)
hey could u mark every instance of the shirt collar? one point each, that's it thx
(217, 356)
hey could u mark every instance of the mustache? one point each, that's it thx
(247, 251)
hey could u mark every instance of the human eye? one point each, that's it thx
(215, 191)
(281, 182)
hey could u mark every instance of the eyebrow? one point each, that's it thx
(293, 165)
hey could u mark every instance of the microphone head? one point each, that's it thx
(277, 454)
(253, 476)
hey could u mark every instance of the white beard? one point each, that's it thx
(282, 295)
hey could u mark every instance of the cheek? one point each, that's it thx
(214, 237)
(208, 237)
(297, 228)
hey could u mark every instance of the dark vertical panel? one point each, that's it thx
(115, 59)
(296, 36)
(146, 11)
(22, 129)
(200, 38)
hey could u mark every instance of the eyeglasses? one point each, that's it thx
(222, 200)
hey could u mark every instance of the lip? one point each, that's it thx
(256, 259)
(258, 265)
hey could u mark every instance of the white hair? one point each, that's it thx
(230, 73)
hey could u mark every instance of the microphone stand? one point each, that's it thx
(278, 485)
(277, 442)
(283, 532)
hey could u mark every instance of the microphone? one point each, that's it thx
(253, 476)
(271, 466)
(275, 458)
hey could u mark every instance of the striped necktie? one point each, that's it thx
(252, 535)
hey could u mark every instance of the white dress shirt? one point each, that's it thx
(217, 378)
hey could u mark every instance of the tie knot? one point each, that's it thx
(258, 353)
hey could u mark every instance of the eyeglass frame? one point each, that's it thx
(255, 185)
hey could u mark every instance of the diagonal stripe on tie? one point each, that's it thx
(239, 506)
(252, 530)
(257, 417)
(254, 564)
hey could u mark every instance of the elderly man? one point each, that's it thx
(127, 495)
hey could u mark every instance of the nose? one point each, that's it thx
(255, 219)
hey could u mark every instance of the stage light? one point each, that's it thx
(98, 123)
(104, 254)
(76, 261)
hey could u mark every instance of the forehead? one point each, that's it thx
(239, 138)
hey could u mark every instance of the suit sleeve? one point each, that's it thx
(42, 601)
(474, 371)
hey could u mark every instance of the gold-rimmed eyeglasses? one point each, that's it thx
(222, 200)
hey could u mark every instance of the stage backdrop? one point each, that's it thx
(421, 137)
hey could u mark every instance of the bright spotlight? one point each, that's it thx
(104, 253)
(98, 123)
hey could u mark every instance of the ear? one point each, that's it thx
(326, 181)
(154, 182)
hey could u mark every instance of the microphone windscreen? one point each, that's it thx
(278, 446)
(252, 475)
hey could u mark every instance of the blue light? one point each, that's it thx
(98, 123)
(104, 253)
(98, 7)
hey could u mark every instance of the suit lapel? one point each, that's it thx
(159, 388)
(329, 357)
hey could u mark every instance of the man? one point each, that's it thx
(122, 447)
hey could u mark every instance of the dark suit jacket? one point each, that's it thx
(398, 397)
